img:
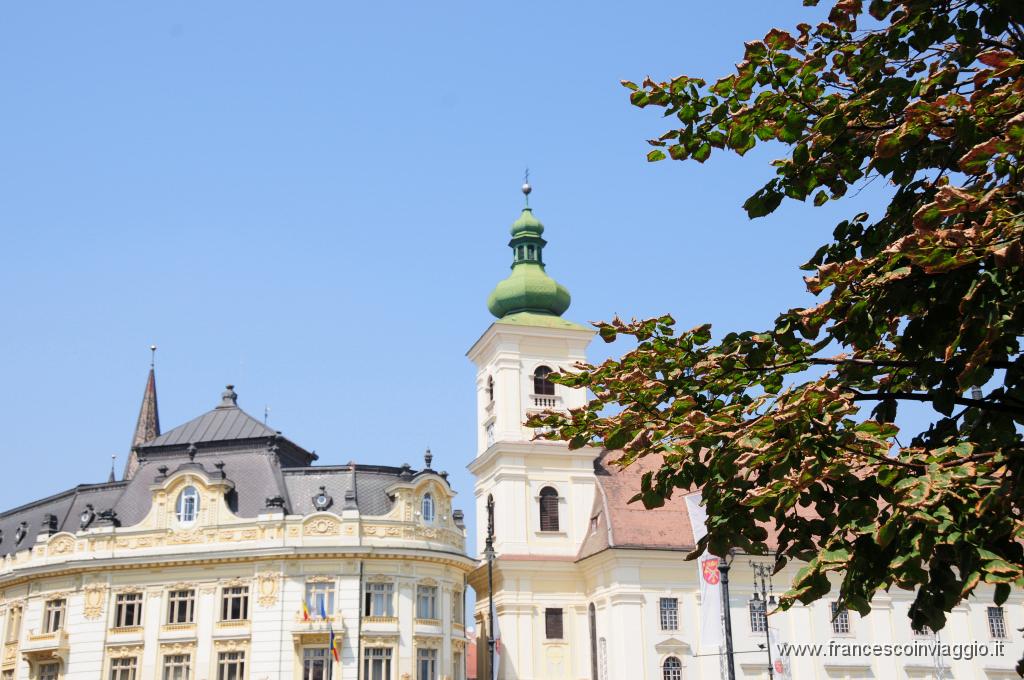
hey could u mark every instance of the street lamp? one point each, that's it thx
(489, 554)
(723, 568)
(767, 596)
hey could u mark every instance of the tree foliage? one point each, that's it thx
(792, 428)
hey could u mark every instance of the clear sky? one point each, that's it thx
(311, 201)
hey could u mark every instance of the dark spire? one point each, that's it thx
(113, 477)
(148, 426)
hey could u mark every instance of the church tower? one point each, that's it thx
(542, 491)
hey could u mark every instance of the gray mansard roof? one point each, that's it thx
(260, 463)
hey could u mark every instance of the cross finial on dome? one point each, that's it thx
(526, 186)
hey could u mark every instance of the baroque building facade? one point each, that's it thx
(226, 554)
(588, 586)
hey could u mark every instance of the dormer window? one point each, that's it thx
(428, 508)
(541, 384)
(187, 507)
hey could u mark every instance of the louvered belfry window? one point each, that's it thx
(553, 624)
(541, 383)
(548, 509)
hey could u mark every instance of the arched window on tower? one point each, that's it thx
(541, 384)
(530, 252)
(428, 508)
(548, 509)
(490, 389)
(187, 506)
(672, 669)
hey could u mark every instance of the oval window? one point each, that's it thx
(188, 505)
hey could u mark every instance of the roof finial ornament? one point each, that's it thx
(428, 457)
(192, 450)
(113, 461)
(526, 187)
(152, 356)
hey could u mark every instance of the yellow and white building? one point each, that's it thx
(197, 564)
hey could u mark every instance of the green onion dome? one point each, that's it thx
(528, 288)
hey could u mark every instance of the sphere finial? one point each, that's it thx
(526, 188)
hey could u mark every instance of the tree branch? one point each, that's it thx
(963, 401)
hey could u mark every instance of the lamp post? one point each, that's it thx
(489, 554)
(767, 596)
(723, 568)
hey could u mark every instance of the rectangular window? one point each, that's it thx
(123, 668)
(669, 613)
(426, 602)
(758, 617)
(230, 665)
(316, 664)
(426, 664)
(234, 604)
(458, 607)
(14, 625)
(379, 599)
(47, 671)
(458, 667)
(320, 599)
(181, 606)
(53, 615)
(377, 663)
(840, 620)
(177, 666)
(128, 610)
(553, 623)
(996, 623)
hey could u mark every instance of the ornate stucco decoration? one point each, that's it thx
(119, 651)
(267, 586)
(232, 645)
(60, 544)
(95, 594)
(322, 525)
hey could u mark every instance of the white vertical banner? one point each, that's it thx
(780, 661)
(709, 578)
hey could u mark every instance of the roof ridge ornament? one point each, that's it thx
(228, 398)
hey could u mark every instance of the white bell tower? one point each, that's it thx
(543, 492)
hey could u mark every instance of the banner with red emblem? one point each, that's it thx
(709, 580)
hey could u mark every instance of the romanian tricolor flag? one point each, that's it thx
(335, 643)
(305, 611)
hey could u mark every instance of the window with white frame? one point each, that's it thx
(47, 671)
(316, 663)
(181, 606)
(758, 616)
(377, 663)
(996, 623)
(553, 623)
(177, 666)
(672, 669)
(426, 664)
(128, 610)
(320, 598)
(234, 603)
(187, 506)
(53, 615)
(230, 666)
(669, 607)
(124, 668)
(379, 598)
(428, 508)
(426, 602)
(840, 619)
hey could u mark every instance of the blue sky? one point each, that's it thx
(311, 201)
